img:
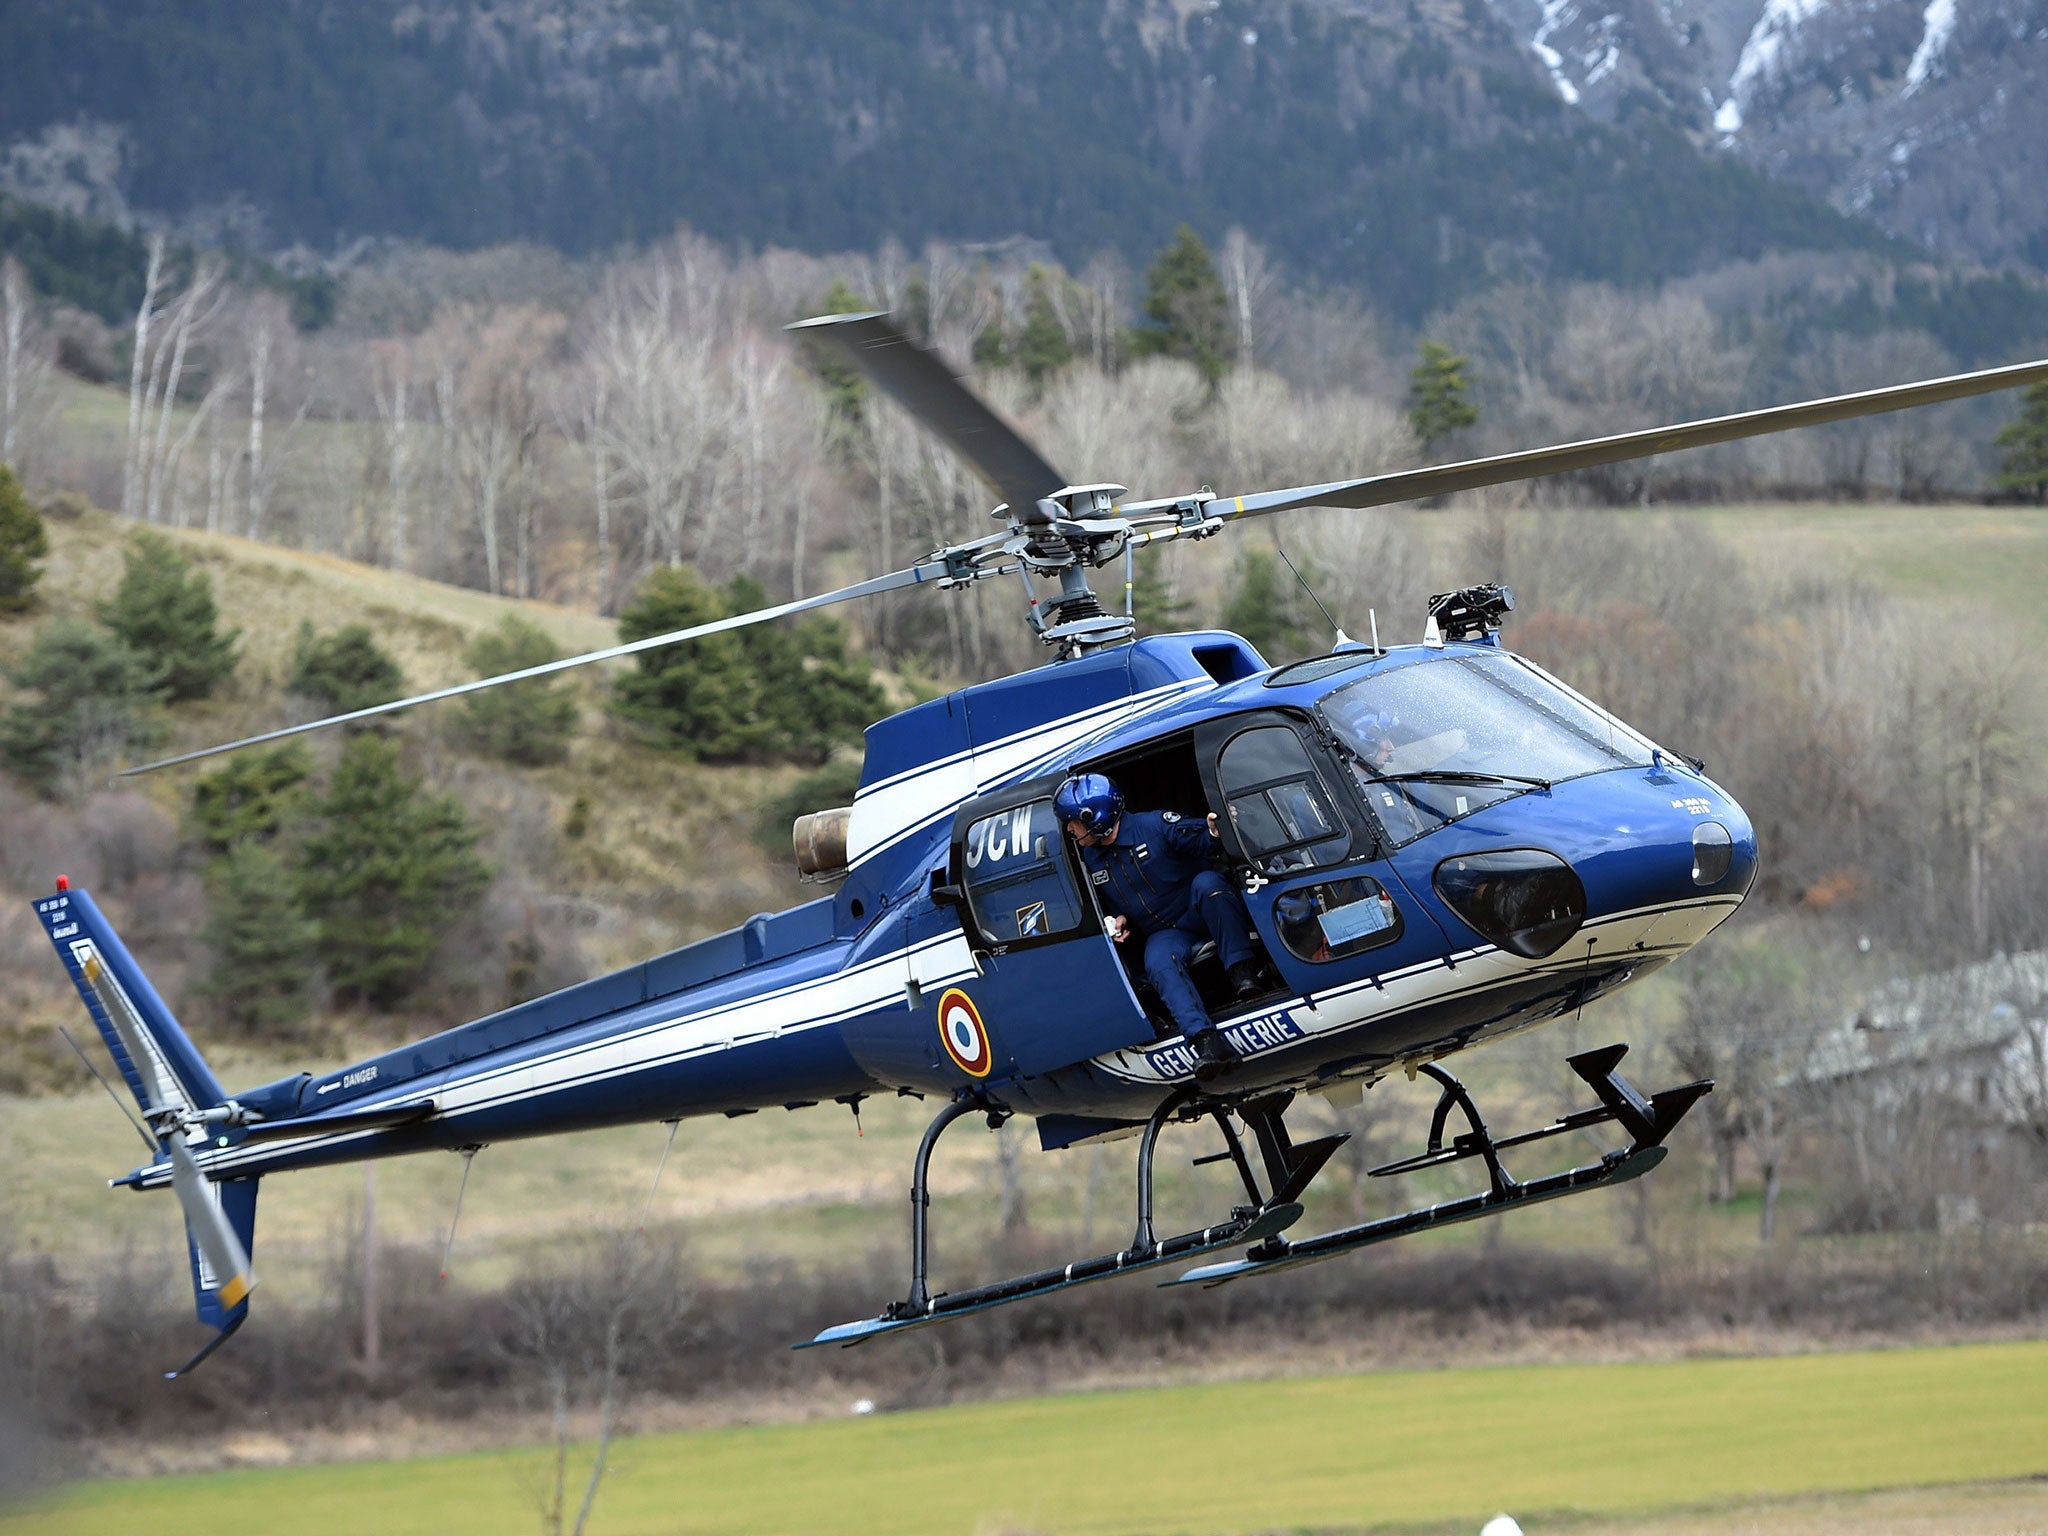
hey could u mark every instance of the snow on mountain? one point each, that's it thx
(1930, 116)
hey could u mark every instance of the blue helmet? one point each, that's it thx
(1092, 799)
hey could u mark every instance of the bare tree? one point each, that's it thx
(1109, 285)
(1249, 276)
(266, 331)
(656, 349)
(24, 363)
(392, 383)
(492, 403)
(145, 316)
(579, 1326)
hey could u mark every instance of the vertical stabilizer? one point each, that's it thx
(182, 1103)
(155, 1056)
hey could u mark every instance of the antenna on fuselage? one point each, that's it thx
(1336, 628)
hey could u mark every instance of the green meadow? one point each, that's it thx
(1445, 1448)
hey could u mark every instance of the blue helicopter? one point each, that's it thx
(1435, 844)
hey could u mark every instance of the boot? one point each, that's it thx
(1247, 978)
(1214, 1055)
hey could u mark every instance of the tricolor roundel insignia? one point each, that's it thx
(963, 1034)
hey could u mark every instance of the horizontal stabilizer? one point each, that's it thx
(411, 1112)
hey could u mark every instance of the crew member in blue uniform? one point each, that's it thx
(1151, 873)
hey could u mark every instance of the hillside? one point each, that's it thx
(666, 852)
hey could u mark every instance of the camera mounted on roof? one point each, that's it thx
(1472, 613)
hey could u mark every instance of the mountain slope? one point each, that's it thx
(1414, 150)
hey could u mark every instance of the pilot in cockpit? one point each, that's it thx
(1151, 874)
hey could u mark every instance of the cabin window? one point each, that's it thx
(1020, 888)
(1336, 919)
(1278, 806)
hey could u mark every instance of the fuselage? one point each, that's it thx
(1437, 845)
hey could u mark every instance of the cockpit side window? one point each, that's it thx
(1281, 811)
(1019, 884)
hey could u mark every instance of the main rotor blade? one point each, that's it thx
(922, 384)
(1532, 463)
(928, 570)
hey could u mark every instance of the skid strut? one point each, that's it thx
(1647, 1120)
(1264, 1216)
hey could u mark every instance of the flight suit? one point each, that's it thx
(1156, 876)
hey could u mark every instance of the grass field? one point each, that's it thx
(1444, 1449)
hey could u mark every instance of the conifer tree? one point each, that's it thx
(381, 870)
(698, 698)
(23, 541)
(992, 342)
(99, 699)
(761, 694)
(812, 694)
(1259, 606)
(343, 671)
(1043, 348)
(253, 798)
(264, 946)
(846, 392)
(2025, 441)
(1437, 387)
(530, 722)
(164, 609)
(1187, 307)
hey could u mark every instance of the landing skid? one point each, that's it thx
(1289, 1169)
(1648, 1122)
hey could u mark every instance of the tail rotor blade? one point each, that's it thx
(222, 1249)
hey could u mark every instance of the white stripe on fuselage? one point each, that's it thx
(891, 810)
(1626, 935)
(813, 1004)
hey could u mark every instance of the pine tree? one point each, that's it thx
(22, 543)
(767, 693)
(99, 699)
(1437, 386)
(991, 348)
(1187, 307)
(699, 698)
(264, 946)
(812, 695)
(528, 723)
(253, 798)
(164, 609)
(1258, 606)
(846, 392)
(2025, 441)
(343, 671)
(1043, 347)
(381, 870)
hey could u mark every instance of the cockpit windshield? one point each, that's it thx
(1439, 739)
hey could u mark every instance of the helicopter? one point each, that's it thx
(1436, 844)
